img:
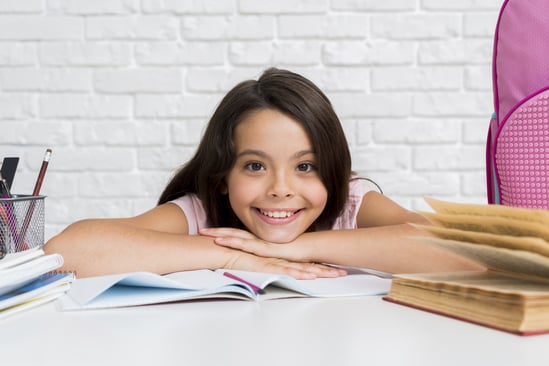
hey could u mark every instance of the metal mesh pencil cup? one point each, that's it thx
(21, 223)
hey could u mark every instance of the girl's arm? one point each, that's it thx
(382, 242)
(386, 248)
(157, 241)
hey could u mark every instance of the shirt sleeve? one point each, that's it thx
(194, 211)
(358, 187)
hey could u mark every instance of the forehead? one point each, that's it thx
(266, 126)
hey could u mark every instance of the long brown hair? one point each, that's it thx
(291, 94)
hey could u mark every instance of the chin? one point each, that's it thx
(277, 239)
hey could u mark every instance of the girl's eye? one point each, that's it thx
(254, 166)
(306, 167)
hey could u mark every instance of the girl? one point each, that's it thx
(269, 189)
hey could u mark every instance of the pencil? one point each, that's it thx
(28, 217)
(42, 172)
(255, 288)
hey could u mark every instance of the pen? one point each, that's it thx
(35, 192)
(256, 289)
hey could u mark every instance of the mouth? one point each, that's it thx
(278, 214)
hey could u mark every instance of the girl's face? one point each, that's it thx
(274, 187)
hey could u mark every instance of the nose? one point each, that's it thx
(280, 186)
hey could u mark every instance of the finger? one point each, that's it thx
(310, 270)
(256, 247)
(225, 231)
(321, 270)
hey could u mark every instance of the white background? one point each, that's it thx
(121, 89)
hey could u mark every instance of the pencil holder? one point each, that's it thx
(21, 223)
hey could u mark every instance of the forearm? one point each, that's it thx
(388, 248)
(93, 247)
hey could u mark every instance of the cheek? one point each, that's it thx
(318, 195)
(240, 192)
(237, 197)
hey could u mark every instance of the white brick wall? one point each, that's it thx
(121, 89)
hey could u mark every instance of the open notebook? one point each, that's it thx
(141, 288)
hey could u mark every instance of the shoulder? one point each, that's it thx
(166, 218)
(184, 215)
(359, 186)
(379, 210)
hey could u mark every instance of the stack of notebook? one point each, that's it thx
(28, 279)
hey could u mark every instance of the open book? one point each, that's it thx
(512, 243)
(141, 288)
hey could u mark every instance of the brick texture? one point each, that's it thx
(121, 89)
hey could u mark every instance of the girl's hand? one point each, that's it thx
(261, 256)
(301, 271)
(247, 242)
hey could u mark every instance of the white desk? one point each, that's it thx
(352, 331)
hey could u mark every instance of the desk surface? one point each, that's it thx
(351, 331)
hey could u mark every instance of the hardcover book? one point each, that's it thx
(512, 294)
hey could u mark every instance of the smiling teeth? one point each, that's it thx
(278, 214)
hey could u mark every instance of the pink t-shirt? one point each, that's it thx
(196, 215)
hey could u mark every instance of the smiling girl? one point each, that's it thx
(269, 189)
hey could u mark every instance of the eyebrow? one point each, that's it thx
(264, 155)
